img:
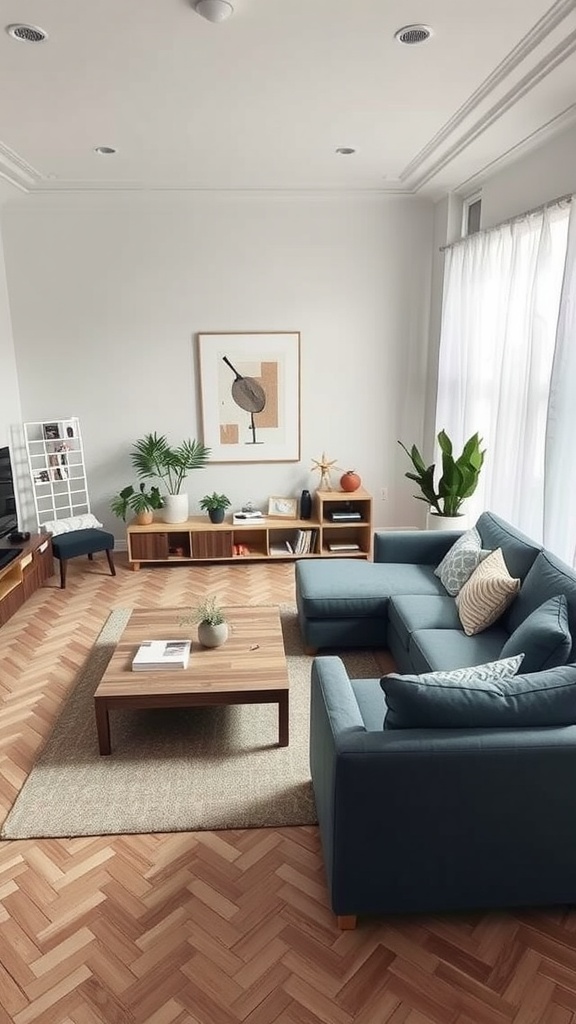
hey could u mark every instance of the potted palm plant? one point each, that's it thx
(458, 481)
(142, 503)
(152, 456)
(215, 505)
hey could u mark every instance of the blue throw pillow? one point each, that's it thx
(544, 637)
(533, 700)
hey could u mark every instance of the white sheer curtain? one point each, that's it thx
(502, 291)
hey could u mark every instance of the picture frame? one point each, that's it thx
(51, 431)
(250, 395)
(283, 508)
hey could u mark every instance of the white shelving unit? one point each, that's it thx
(57, 472)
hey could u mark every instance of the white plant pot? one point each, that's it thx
(175, 509)
(212, 636)
(436, 522)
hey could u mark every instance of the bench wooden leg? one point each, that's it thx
(63, 567)
(347, 922)
(110, 561)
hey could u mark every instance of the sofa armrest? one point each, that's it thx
(417, 547)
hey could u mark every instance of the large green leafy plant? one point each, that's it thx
(152, 456)
(459, 476)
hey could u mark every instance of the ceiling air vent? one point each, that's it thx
(412, 34)
(27, 33)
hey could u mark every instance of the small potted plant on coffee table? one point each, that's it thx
(142, 503)
(215, 505)
(212, 624)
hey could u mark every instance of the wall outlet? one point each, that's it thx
(384, 494)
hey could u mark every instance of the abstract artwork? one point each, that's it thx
(250, 385)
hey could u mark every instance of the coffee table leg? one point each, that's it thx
(283, 720)
(102, 726)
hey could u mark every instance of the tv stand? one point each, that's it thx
(24, 573)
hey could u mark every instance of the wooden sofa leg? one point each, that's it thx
(347, 922)
(110, 561)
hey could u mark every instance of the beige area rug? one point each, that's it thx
(174, 770)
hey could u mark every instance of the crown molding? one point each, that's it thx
(459, 129)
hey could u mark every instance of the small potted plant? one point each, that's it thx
(215, 505)
(212, 624)
(142, 503)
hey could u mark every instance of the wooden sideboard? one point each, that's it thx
(22, 576)
(198, 539)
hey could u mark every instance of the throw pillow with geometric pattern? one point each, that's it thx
(460, 561)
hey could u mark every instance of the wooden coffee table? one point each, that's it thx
(250, 668)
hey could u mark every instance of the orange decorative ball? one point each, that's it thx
(350, 481)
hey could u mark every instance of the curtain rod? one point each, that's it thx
(518, 216)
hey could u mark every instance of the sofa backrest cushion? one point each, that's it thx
(538, 699)
(548, 577)
(519, 551)
(544, 637)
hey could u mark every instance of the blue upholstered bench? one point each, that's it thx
(82, 542)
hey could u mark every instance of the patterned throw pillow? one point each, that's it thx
(72, 523)
(460, 561)
(487, 594)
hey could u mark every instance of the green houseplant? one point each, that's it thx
(142, 503)
(153, 457)
(212, 624)
(459, 477)
(215, 505)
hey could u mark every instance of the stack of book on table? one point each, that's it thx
(344, 545)
(156, 655)
(247, 518)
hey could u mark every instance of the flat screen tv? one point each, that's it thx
(8, 514)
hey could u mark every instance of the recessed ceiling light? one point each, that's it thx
(214, 10)
(27, 33)
(345, 150)
(410, 35)
(105, 150)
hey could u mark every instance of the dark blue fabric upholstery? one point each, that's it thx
(82, 542)
(428, 820)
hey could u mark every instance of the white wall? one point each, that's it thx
(9, 389)
(107, 296)
(537, 177)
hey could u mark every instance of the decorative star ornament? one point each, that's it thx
(324, 465)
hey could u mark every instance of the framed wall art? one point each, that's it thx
(283, 508)
(250, 388)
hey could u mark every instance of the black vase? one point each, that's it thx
(305, 505)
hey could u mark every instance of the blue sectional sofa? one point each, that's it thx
(439, 818)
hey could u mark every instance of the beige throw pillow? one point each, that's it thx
(487, 594)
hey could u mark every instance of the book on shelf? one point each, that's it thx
(342, 545)
(337, 516)
(156, 655)
(247, 518)
(281, 547)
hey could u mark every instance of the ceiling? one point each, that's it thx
(264, 99)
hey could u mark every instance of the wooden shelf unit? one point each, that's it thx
(25, 573)
(199, 540)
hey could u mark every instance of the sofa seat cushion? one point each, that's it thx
(544, 637)
(344, 588)
(371, 702)
(407, 613)
(534, 700)
(548, 577)
(432, 649)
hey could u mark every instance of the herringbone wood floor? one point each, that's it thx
(216, 928)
